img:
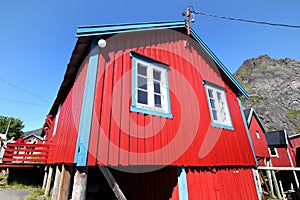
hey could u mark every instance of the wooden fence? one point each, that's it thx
(25, 153)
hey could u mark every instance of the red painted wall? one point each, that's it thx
(282, 160)
(260, 145)
(27, 140)
(221, 184)
(295, 142)
(63, 144)
(121, 137)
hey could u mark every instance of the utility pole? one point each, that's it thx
(7, 128)
(188, 20)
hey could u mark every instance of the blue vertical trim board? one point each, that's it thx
(256, 184)
(247, 130)
(87, 107)
(133, 81)
(182, 184)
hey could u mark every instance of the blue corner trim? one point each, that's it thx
(87, 107)
(256, 184)
(209, 106)
(125, 28)
(247, 130)
(182, 184)
(144, 110)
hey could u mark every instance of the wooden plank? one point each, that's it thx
(49, 180)
(57, 179)
(80, 184)
(64, 185)
(279, 168)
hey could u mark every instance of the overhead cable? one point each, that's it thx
(244, 20)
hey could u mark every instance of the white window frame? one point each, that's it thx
(218, 106)
(257, 134)
(150, 107)
(275, 149)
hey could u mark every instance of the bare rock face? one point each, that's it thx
(274, 89)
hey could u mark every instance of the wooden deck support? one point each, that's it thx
(112, 183)
(56, 183)
(65, 181)
(80, 184)
(45, 177)
(49, 180)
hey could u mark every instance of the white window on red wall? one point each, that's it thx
(150, 90)
(218, 106)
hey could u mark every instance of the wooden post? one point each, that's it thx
(49, 180)
(269, 179)
(282, 191)
(45, 177)
(64, 185)
(279, 194)
(188, 19)
(56, 183)
(80, 184)
(112, 183)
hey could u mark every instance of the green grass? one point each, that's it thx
(292, 114)
(35, 190)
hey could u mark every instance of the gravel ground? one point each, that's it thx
(13, 194)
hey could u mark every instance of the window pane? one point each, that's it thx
(142, 97)
(156, 75)
(142, 83)
(215, 117)
(212, 104)
(157, 87)
(210, 93)
(157, 100)
(219, 96)
(142, 69)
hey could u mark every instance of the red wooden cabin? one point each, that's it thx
(257, 133)
(138, 97)
(33, 138)
(282, 155)
(295, 141)
(280, 149)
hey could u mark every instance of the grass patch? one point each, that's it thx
(24, 180)
(293, 114)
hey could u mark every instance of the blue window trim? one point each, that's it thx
(134, 107)
(206, 83)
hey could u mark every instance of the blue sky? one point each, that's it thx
(37, 38)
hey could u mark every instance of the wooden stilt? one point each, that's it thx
(112, 183)
(80, 184)
(56, 183)
(45, 177)
(282, 191)
(270, 181)
(64, 186)
(49, 180)
(277, 189)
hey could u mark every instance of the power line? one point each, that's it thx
(23, 90)
(23, 102)
(243, 20)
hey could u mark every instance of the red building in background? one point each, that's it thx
(155, 104)
(257, 133)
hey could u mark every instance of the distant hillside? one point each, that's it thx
(274, 89)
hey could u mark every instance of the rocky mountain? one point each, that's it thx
(274, 89)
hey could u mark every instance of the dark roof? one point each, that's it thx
(34, 135)
(82, 48)
(277, 138)
(247, 113)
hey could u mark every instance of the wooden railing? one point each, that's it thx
(25, 153)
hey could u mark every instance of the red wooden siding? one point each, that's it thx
(283, 159)
(62, 145)
(121, 137)
(221, 184)
(295, 141)
(260, 145)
